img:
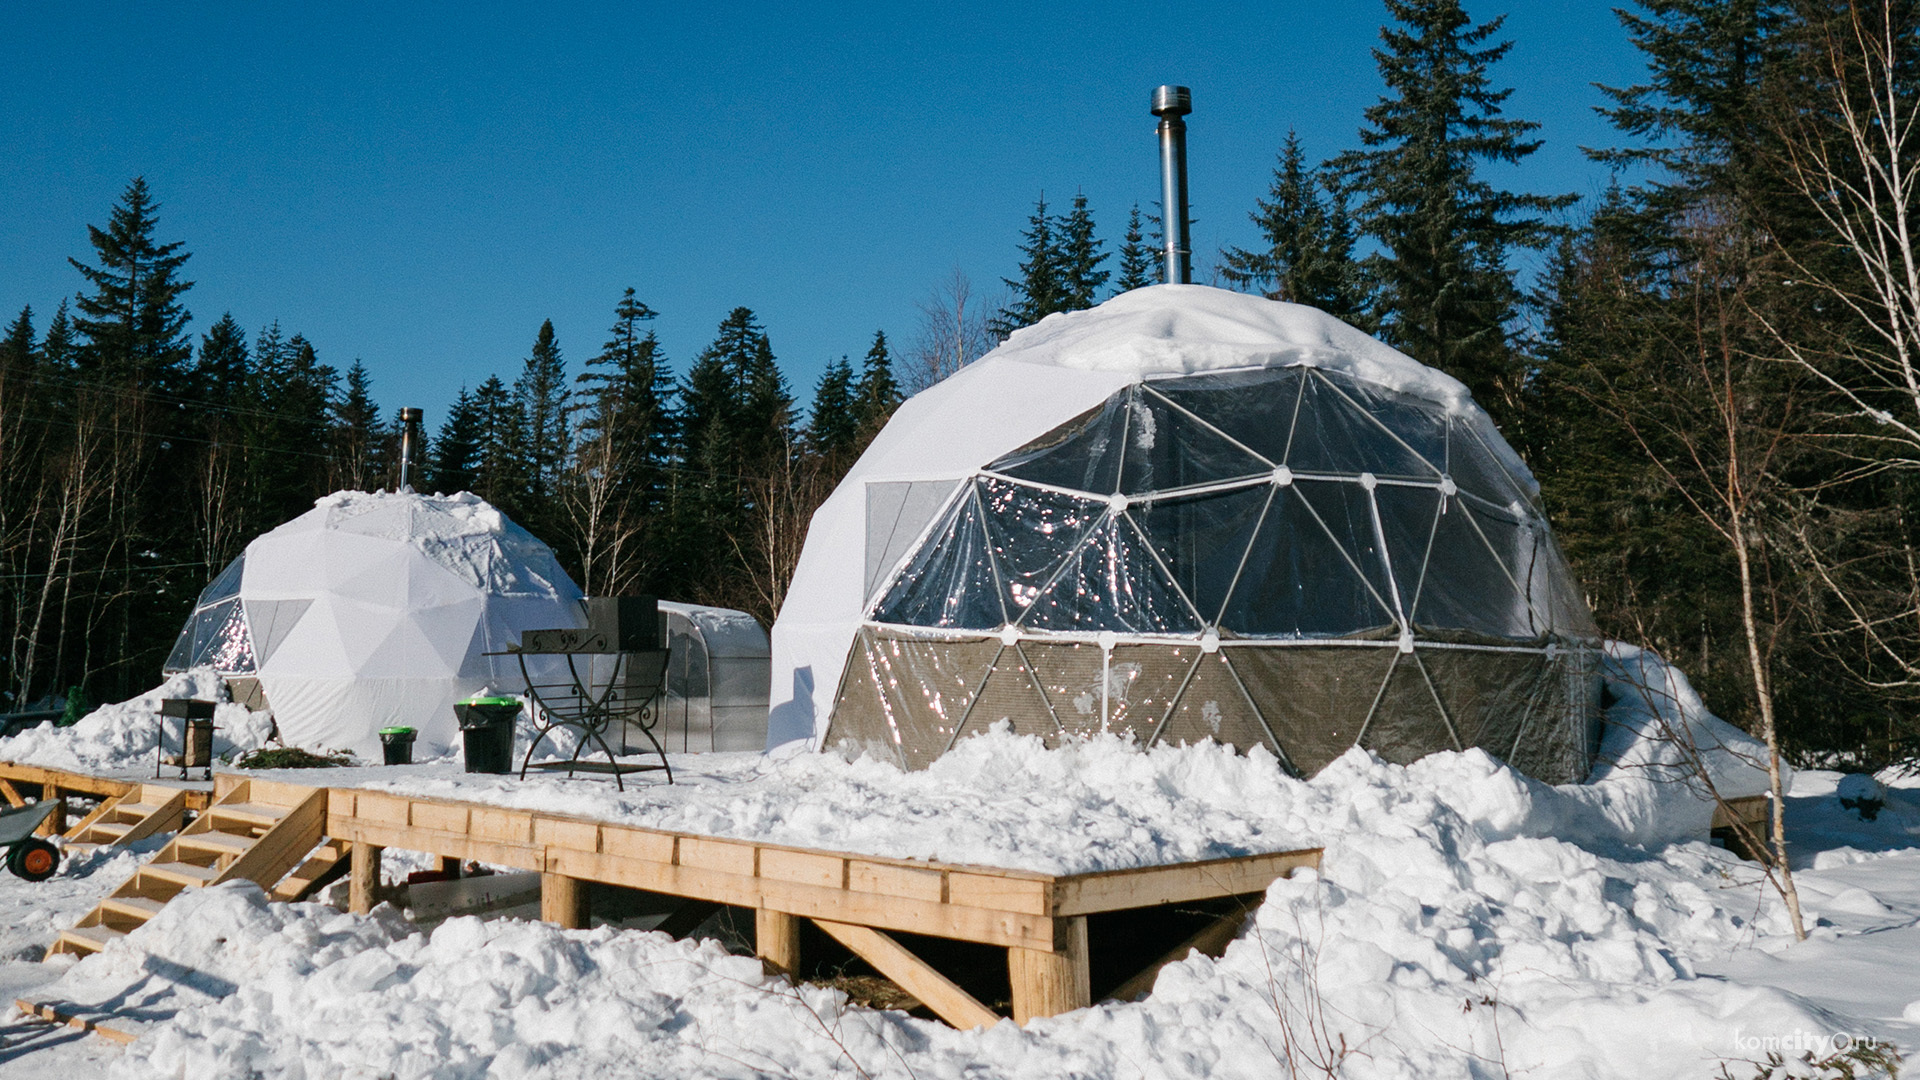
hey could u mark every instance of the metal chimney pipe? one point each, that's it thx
(409, 420)
(1170, 103)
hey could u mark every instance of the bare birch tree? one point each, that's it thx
(1848, 137)
(952, 333)
(1717, 429)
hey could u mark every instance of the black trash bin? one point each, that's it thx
(397, 744)
(486, 727)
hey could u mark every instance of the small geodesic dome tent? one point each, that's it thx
(1188, 514)
(378, 610)
(715, 697)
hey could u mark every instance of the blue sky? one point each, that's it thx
(420, 185)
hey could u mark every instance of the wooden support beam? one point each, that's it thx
(687, 918)
(363, 877)
(912, 974)
(1051, 983)
(563, 901)
(54, 1016)
(776, 940)
(1210, 940)
(56, 822)
(11, 793)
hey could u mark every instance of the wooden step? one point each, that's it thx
(133, 907)
(181, 873)
(249, 813)
(221, 843)
(110, 829)
(90, 939)
(288, 832)
(135, 811)
(322, 868)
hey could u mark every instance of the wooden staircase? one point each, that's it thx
(257, 830)
(144, 810)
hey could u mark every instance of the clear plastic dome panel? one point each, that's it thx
(1204, 539)
(950, 581)
(1476, 471)
(1332, 434)
(1112, 583)
(1448, 577)
(1300, 582)
(224, 587)
(1032, 533)
(1253, 408)
(1168, 447)
(1081, 454)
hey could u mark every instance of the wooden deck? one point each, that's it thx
(859, 901)
(1041, 919)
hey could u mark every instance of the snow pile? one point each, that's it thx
(1646, 787)
(1438, 941)
(122, 736)
(1183, 329)
(1103, 803)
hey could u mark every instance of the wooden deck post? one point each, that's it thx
(56, 822)
(1051, 983)
(776, 940)
(363, 877)
(563, 901)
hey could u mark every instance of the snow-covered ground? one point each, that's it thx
(1466, 922)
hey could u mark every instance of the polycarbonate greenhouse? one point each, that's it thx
(1320, 546)
(715, 697)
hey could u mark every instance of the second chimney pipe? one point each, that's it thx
(409, 419)
(1170, 103)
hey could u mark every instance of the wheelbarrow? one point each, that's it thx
(28, 856)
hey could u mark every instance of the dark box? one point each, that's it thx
(615, 624)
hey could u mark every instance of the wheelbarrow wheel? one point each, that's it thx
(33, 859)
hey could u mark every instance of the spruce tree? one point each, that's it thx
(500, 451)
(1136, 256)
(1307, 254)
(358, 433)
(630, 399)
(16, 343)
(877, 394)
(1447, 293)
(1699, 118)
(220, 376)
(1042, 287)
(541, 392)
(834, 424)
(1080, 258)
(134, 323)
(455, 456)
(736, 419)
(737, 406)
(57, 349)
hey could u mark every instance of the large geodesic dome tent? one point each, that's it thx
(378, 610)
(1192, 514)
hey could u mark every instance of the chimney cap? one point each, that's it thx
(409, 415)
(1172, 101)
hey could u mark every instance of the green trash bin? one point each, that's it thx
(486, 730)
(397, 744)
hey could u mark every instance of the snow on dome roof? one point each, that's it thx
(463, 533)
(1183, 329)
